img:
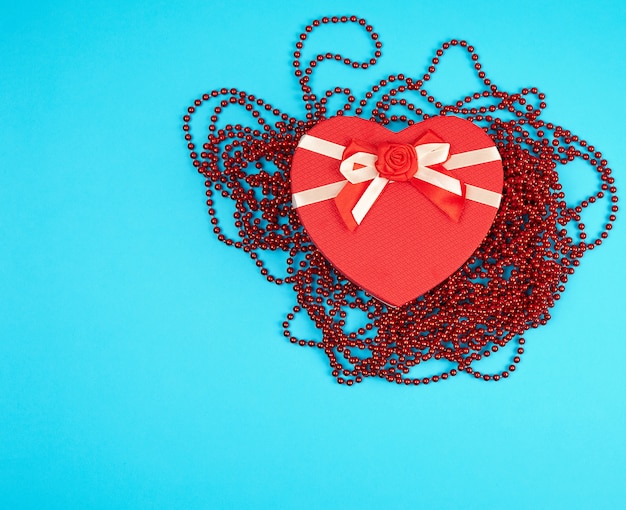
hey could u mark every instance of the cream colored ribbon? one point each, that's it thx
(427, 154)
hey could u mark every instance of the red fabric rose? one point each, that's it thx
(396, 161)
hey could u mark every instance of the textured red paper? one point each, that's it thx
(405, 245)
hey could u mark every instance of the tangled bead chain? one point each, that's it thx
(506, 288)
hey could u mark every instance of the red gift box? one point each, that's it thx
(396, 213)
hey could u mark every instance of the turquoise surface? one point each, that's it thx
(142, 362)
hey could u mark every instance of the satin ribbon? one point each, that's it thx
(358, 166)
(363, 184)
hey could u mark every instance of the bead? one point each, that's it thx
(478, 310)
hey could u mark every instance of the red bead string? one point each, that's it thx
(506, 288)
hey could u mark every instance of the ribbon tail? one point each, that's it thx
(347, 199)
(448, 202)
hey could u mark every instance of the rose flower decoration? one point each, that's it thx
(396, 161)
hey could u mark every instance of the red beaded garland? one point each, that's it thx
(506, 288)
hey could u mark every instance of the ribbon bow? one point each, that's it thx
(427, 165)
(370, 169)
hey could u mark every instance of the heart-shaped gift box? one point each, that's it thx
(396, 213)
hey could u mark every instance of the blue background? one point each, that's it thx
(142, 363)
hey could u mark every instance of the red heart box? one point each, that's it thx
(405, 244)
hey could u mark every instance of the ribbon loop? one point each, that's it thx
(359, 167)
(429, 154)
